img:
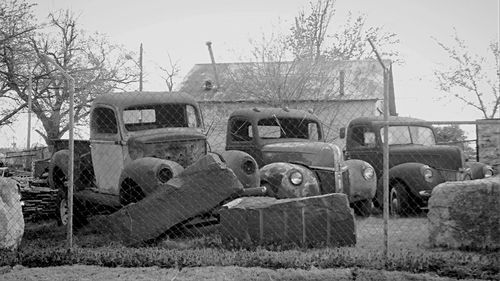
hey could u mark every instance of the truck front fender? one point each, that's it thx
(411, 174)
(478, 170)
(244, 167)
(149, 173)
(362, 180)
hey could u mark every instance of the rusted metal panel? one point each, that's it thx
(198, 189)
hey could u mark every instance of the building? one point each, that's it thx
(336, 91)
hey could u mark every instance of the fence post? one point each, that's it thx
(385, 176)
(71, 90)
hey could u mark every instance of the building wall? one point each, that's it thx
(333, 114)
(488, 138)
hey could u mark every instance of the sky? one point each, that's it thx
(181, 29)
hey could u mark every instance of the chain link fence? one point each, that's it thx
(163, 167)
(145, 174)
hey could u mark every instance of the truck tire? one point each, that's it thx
(399, 200)
(363, 208)
(59, 181)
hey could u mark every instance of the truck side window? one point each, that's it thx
(103, 121)
(241, 130)
(361, 136)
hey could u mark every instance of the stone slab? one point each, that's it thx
(465, 214)
(11, 215)
(324, 220)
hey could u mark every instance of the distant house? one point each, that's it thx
(336, 91)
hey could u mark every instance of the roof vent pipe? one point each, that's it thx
(216, 76)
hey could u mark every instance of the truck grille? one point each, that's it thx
(184, 152)
(450, 175)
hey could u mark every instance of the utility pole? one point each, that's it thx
(140, 69)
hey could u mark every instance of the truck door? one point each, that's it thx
(106, 148)
(361, 143)
(241, 137)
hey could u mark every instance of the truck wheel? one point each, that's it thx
(62, 209)
(363, 208)
(60, 182)
(398, 200)
(130, 192)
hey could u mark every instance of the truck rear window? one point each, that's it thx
(147, 117)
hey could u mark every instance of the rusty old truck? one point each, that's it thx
(294, 158)
(417, 163)
(138, 142)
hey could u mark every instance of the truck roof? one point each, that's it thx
(266, 112)
(371, 119)
(126, 99)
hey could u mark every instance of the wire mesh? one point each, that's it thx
(155, 170)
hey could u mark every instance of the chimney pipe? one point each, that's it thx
(209, 45)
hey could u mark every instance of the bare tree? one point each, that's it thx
(16, 26)
(471, 78)
(310, 29)
(97, 66)
(171, 71)
(350, 42)
(286, 67)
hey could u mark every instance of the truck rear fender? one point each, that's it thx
(59, 167)
(149, 173)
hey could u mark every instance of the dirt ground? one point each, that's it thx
(84, 272)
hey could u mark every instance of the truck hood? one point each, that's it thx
(308, 153)
(438, 156)
(181, 146)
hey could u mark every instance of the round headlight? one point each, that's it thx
(296, 178)
(427, 173)
(487, 171)
(165, 174)
(368, 173)
(248, 167)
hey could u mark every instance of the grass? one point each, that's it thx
(45, 245)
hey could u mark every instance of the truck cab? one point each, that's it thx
(417, 162)
(294, 158)
(127, 127)
(138, 141)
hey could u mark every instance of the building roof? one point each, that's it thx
(342, 80)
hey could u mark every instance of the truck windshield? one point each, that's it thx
(409, 135)
(288, 128)
(147, 117)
